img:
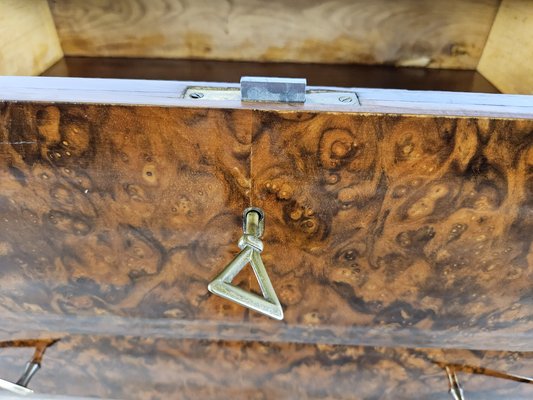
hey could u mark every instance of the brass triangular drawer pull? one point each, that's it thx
(251, 247)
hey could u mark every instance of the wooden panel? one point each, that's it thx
(412, 222)
(407, 222)
(28, 38)
(125, 202)
(151, 368)
(381, 229)
(506, 59)
(440, 34)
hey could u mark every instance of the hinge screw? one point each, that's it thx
(345, 99)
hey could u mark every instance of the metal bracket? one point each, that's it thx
(279, 90)
(312, 96)
(32, 366)
(274, 90)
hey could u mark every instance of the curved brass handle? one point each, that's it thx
(251, 247)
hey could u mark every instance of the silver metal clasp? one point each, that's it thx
(280, 90)
(293, 91)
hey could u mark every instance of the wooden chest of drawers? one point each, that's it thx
(398, 239)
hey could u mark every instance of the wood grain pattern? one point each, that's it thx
(381, 230)
(28, 38)
(412, 222)
(506, 59)
(443, 34)
(122, 201)
(148, 368)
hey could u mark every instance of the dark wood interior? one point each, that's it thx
(342, 75)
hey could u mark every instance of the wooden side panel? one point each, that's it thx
(506, 59)
(151, 368)
(438, 34)
(382, 230)
(28, 38)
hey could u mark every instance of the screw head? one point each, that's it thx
(196, 95)
(345, 99)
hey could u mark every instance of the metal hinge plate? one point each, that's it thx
(273, 90)
(312, 96)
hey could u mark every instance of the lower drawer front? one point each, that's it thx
(141, 368)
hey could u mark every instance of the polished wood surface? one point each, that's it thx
(344, 75)
(443, 34)
(138, 204)
(154, 368)
(398, 244)
(382, 230)
(384, 221)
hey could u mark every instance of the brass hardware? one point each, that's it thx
(313, 96)
(455, 388)
(251, 247)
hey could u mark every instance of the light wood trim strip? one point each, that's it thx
(169, 93)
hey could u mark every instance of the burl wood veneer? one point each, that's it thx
(119, 211)
(381, 229)
(398, 237)
(151, 368)
(415, 222)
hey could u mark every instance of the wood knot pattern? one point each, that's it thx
(109, 210)
(400, 221)
(416, 224)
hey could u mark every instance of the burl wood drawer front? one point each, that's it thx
(380, 229)
(156, 368)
